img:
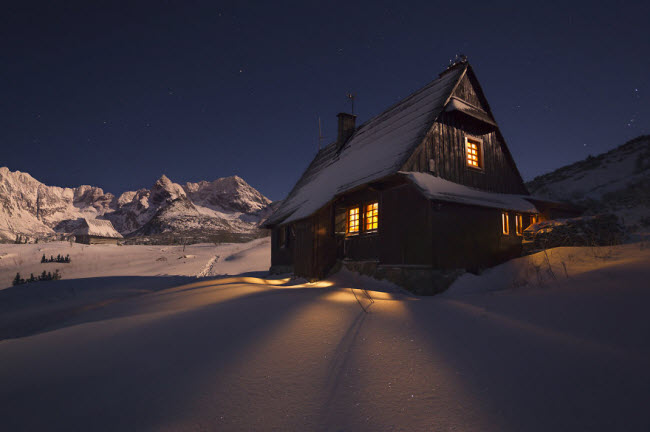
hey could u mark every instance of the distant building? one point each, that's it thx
(97, 231)
(418, 194)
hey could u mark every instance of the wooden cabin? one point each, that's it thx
(97, 231)
(418, 194)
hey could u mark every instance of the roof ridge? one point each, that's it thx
(412, 94)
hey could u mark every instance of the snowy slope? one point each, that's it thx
(251, 353)
(616, 181)
(32, 209)
(133, 260)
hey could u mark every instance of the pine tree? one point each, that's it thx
(49, 276)
(43, 276)
(56, 275)
(43, 259)
(31, 278)
(17, 280)
(51, 258)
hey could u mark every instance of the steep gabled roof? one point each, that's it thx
(98, 228)
(378, 148)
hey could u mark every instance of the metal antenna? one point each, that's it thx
(351, 97)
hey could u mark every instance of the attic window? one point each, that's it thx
(519, 225)
(353, 220)
(505, 223)
(474, 153)
(372, 213)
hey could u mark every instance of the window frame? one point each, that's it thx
(479, 156)
(519, 224)
(347, 220)
(362, 218)
(365, 217)
(505, 223)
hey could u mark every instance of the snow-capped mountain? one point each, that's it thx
(617, 181)
(228, 205)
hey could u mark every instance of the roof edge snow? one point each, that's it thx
(439, 189)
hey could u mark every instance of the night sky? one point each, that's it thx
(114, 95)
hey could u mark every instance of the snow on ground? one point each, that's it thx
(504, 351)
(133, 260)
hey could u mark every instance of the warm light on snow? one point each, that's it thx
(538, 343)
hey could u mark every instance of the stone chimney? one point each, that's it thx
(346, 128)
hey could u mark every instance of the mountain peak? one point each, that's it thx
(163, 181)
(31, 208)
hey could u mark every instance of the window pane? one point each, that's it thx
(372, 213)
(472, 150)
(353, 220)
(519, 224)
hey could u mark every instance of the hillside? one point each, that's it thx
(617, 181)
(206, 211)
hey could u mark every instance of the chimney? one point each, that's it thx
(346, 128)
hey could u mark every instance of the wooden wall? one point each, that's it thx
(405, 227)
(363, 246)
(303, 248)
(445, 144)
(471, 237)
(281, 256)
(413, 231)
(325, 247)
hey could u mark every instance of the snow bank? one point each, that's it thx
(556, 267)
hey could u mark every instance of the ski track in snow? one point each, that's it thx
(208, 269)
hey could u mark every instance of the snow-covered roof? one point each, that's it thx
(98, 228)
(378, 148)
(444, 190)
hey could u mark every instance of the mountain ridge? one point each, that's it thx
(616, 181)
(29, 208)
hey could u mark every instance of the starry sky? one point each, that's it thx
(114, 94)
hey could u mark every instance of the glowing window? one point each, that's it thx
(519, 226)
(353, 220)
(474, 153)
(505, 223)
(534, 219)
(372, 216)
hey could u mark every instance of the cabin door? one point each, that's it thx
(304, 250)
